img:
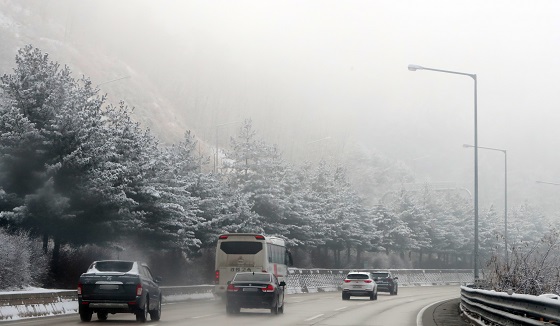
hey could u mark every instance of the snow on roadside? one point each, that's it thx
(66, 306)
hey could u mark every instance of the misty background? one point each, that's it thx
(328, 79)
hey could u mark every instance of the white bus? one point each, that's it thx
(249, 252)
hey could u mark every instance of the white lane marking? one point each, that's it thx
(314, 317)
(421, 312)
(196, 317)
(340, 309)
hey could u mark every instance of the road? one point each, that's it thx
(321, 309)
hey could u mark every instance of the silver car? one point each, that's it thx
(359, 284)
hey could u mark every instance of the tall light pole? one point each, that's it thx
(216, 153)
(505, 192)
(473, 76)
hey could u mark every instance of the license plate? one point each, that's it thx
(240, 269)
(108, 287)
(250, 289)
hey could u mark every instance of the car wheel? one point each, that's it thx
(375, 297)
(155, 315)
(102, 316)
(345, 296)
(232, 309)
(281, 309)
(274, 309)
(372, 295)
(85, 314)
(142, 314)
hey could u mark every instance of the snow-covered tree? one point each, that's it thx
(257, 169)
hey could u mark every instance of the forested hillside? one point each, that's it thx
(79, 173)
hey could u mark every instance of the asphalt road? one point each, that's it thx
(324, 309)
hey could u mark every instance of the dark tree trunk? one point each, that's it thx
(45, 243)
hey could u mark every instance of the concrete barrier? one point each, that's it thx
(37, 304)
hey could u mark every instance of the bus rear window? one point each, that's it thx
(241, 247)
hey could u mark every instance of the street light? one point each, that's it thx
(505, 192)
(549, 183)
(473, 76)
(113, 80)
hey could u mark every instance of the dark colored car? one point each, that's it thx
(118, 286)
(386, 282)
(255, 290)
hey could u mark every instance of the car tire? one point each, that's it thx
(274, 309)
(85, 314)
(232, 309)
(155, 315)
(142, 314)
(281, 309)
(372, 295)
(102, 316)
(345, 296)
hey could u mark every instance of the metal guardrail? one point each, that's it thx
(322, 280)
(499, 308)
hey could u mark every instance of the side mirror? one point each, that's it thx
(228, 282)
(396, 278)
(282, 283)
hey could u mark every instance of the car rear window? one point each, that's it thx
(252, 277)
(113, 266)
(380, 274)
(241, 247)
(357, 276)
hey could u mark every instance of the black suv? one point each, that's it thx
(386, 282)
(118, 286)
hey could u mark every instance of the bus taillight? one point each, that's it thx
(217, 277)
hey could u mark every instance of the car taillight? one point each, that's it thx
(232, 288)
(268, 288)
(138, 289)
(367, 281)
(347, 281)
(80, 288)
(259, 237)
(223, 237)
(217, 277)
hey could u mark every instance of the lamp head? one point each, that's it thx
(414, 67)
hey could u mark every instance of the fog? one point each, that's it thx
(321, 78)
